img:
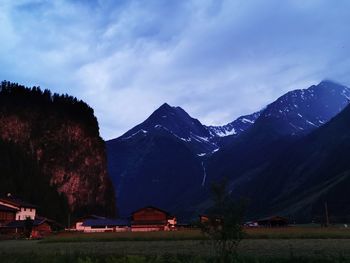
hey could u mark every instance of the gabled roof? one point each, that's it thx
(7, 209)
(106, 222)
(22, 223)
(152, 207)
(17, 202)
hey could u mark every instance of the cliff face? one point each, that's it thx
(61, 134)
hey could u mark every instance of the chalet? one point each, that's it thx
(23, 209)
(152, 219)
(272, 221)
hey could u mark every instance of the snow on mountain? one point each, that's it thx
(234, 128)
(303, 110)
(176, 122)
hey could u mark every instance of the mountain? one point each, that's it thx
(313, 171)
(162, 158)
(57, 138)
(175, 122)
(280, 125)
(171, 159)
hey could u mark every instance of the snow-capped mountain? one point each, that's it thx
(234, 128)
(301, 111)
(176, 122)
(171, 155)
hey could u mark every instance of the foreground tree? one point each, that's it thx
(223, 222)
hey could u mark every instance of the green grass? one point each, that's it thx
(293, 244)
(76, 258)
(250, 233)
(298, 233)
(125, 236)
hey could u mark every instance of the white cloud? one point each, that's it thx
(216, 59)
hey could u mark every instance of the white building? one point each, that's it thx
(24, 210)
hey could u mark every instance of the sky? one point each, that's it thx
(217, 59)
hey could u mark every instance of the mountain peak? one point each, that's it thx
(165, 106)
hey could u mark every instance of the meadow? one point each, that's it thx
(292, 244)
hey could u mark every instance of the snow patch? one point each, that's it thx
(132, 135)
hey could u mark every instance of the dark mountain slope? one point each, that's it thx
(151, 170)
(316, 169)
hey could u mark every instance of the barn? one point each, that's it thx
(106, 225)
(152, 219)
(94, 223)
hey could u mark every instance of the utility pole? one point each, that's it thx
(326, 210)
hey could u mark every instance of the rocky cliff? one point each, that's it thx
(61, 135)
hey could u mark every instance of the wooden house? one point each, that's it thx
(152, 219)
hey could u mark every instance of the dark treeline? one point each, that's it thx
(18, 97)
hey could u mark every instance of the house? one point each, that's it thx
(94, 223)
(7, 214)
(272, 221)
(152, 219)
(23, 209)
(39, 227)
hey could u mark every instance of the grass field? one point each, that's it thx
(250, 233)
(291, 244)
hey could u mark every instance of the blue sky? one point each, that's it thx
(217, 59)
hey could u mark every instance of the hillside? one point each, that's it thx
(58, 136)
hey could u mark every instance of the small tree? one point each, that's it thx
(224, 222)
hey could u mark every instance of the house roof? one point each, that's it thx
(17, 202)
(22, 223)
(7, 209)
(152, 207)
(106, 222)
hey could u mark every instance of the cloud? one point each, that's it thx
(216, 59)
